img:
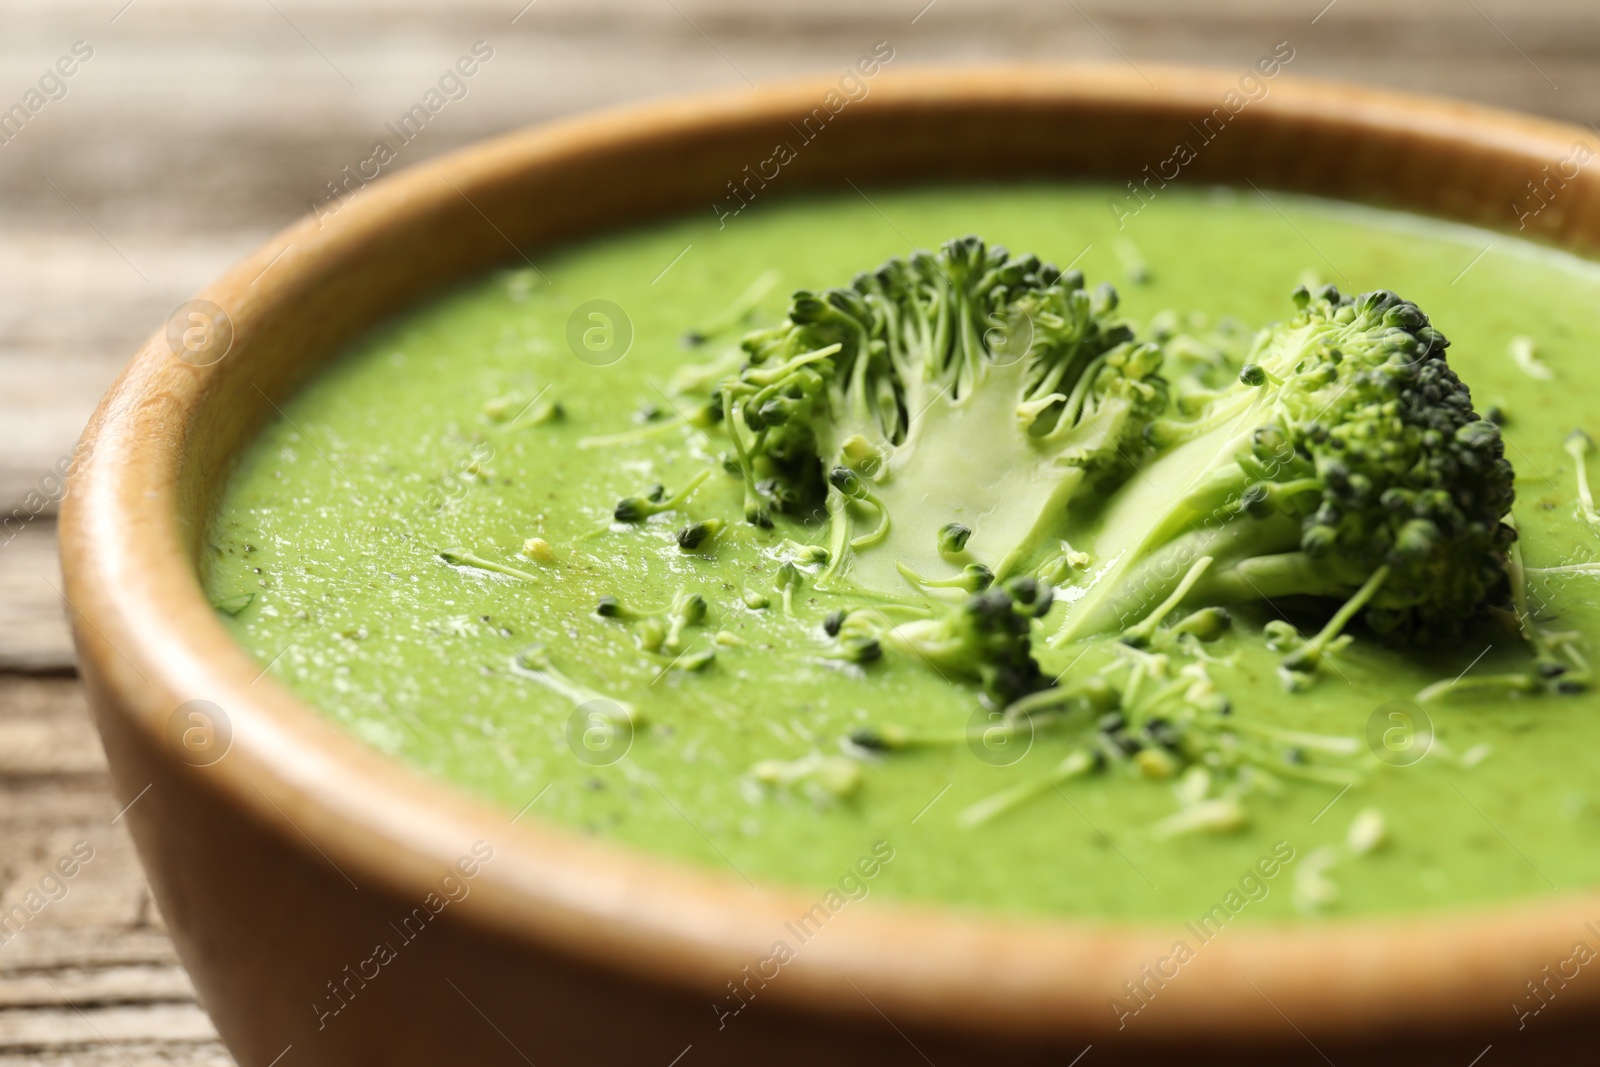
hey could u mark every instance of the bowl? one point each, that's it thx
(336, 907)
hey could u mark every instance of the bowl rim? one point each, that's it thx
(149, 640)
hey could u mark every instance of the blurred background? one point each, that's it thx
(188, 131)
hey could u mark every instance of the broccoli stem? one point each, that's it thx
(636, 435)
(610, 607)
(767, 377)
(1075, 765)
(974, 578)
(838, 541)
(736, 312)
(1140, 633)
(788, 582)
(688, 609)
(1037, 710)
(534, 663)
(698, 535)
(1548, 648)
(1309, 655)
(538, 412)
(460, 557)
(853, 487)
(1217, 815)
(703, 377)
(1332, 744)
(639, 508)
(1511, 682)
(804, 554)
(891, 738)
(755, 508)
(1045, 527)
(1254, 374)
(1522, 354)
(1204, 624)
(1578, 446)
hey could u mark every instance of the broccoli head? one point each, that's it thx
(968, 388)
(1346, 462)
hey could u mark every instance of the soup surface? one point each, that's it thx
(439, 432)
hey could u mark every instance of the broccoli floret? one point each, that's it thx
(989, 639)
(1346, 463)
(953, 537)
(1205, 624)
(973, 578)
(970, 390)
(640, 508)
(698, 535)
(788, 580)
(460, 557)
(664, 627)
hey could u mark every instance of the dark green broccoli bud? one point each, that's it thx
(878, 738)
(610, 607)
(805, 554)
(858, 649)
(640, 508)
(688, 609)
(988, 638)
(1255, 375)
(856, 635)
(663, 630)
(953, 538)
(1207, 624)
(974, 578)
(698, 660)
(540, 412)
(1355, 471)
(1031, 596)
(698, 535)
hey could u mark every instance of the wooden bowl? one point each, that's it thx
(284, 853)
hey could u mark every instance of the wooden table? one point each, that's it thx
(197, 128)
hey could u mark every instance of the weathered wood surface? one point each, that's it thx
(87, 975)
(199, 127)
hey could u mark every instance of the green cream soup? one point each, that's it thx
(468, 428)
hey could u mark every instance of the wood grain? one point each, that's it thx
(200, 128)
(91, 977)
